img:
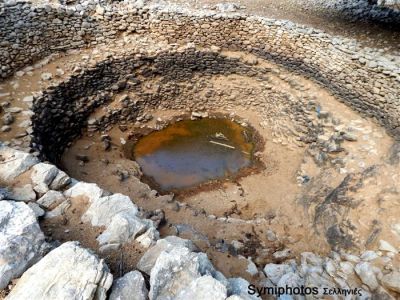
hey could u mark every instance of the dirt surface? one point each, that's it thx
(286, 206)
(367, 31)
(272, 210)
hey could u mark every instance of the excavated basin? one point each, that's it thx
(191, 152)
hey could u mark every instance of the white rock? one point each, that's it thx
(36, 209)
(122, 229)
(83, 189)
(14, 163)
(60, 181)
(396, 229)
(386, 246)
(282, 255)
(148, 260)
(275, 271)
(369, 255)
(41, 189)
(21, 240)
(240, 287)
(24, 193)
(205, 287)
(119, 215)
(251, 268)
(367, 275)
(129, 287)
(28, 99)
(149, 238)
(51, 200)
(59, 210)
(46, 76)
(43, 174)
(391, 281)
(290, 279)
(68, 272)
(102, 210)
(173, 272)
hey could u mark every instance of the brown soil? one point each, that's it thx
(69, 227)
(264, 201)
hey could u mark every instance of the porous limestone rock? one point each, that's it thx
(37, 210)
(365, 271)
(119, 215)
(391, 281)
(148, 260)
(102, 211)
(21, 240)
(386, 246)
(151, 235)
(129, 287)
(239, 287)
(173, 272)
(59, 210)
(51, 200)
(82, 189)
(205, 287)
(274, 272)
(60, 181)
(23, 193)
(14, 163)
(43, 174)
(67, 272)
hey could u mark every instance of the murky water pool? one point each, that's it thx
(190, 152)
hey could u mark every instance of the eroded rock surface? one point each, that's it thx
(68, 272)
(129, 287)
(21, 240)
(14, 163)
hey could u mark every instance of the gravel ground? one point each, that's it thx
(339, 17)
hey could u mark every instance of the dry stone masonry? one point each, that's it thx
(183, 54)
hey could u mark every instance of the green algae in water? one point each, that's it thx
(190, 152)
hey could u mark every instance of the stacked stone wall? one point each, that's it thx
(364, 79)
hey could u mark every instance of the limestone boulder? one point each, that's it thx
(129, 287)
(148, 260)
(21, 240)
(67, 272)
(366, 273)
(102, 211)
(23, 193)
(82, 189)
(60, 181)
(274, 272)
(173, 272)
(239, 287)
(120, 217)
(14, 163)
(391, 281)
(205, 287)
(51, 200)
(43, 174)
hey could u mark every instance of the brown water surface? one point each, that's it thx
(191, 152)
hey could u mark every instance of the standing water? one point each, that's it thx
(190, 152)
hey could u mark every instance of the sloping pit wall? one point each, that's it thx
(364, 79)
(61, 111)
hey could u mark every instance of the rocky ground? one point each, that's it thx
(104, 233)
(371, 25)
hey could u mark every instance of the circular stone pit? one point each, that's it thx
(326, 109)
